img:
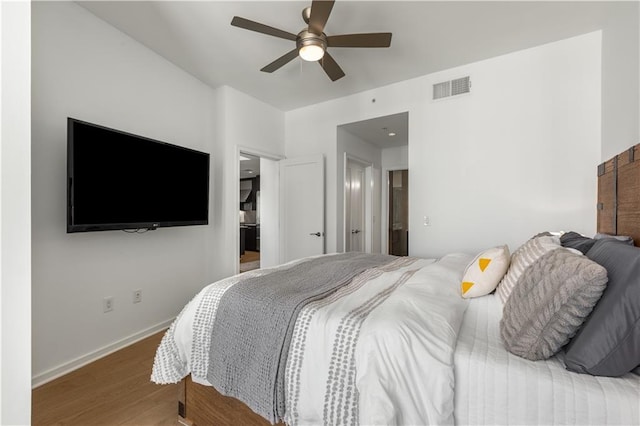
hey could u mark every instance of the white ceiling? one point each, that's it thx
(428, 36)
(377, 130)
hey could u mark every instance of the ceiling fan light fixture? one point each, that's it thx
(311, 52)
(311, 47)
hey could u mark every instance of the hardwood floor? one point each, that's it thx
(249, 260)
(114, 390)
(250, 256)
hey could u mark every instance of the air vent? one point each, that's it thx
(442, 90)
(449, 88)
(460, 86)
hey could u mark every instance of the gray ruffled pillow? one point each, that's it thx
(552, 298)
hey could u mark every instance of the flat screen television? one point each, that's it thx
(116, 180)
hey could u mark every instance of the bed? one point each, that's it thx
(394, 344)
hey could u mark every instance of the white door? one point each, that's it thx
(355, 207)
(302, 207)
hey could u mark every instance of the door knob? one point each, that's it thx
(355, 231)
(317, 234)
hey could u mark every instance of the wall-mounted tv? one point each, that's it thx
(116, 180)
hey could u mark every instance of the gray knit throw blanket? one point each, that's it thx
(255, 321)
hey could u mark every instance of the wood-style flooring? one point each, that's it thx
(250, 256)
(114, 390)
(249, 261)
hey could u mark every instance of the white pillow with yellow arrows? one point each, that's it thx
(485, 272)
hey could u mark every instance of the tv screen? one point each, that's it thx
(117, 180)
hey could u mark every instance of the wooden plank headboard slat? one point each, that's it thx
(607, 213)
(629, 196)
(619, 195)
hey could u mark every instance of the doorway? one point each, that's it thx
(270, 189)
(398, 215)
(378, 145)
(249, 212)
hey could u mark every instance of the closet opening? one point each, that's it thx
(398, 215)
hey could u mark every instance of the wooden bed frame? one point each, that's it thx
(203, 406)
(618, 214)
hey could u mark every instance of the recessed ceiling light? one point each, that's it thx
(392, 133)
(248, 171)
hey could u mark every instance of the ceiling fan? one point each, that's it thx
(312, 42)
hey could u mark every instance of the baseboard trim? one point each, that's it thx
(68, 367)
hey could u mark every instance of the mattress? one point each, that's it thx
(494, 386)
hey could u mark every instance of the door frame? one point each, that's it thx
(236, 164)
(367, 202)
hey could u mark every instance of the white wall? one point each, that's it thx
(86, 69)
(620, 81)
(514, 157)
(396, 158)
(15, 214)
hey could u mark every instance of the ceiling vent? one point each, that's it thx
(450, 88)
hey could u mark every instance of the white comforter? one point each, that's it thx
(377, 352)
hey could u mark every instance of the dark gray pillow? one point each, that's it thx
(608, 344)
(550, 301)
(622, 238)
(576, 241)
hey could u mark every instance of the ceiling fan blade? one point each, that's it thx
(360, 40)
(320, 11)
(261, 28)
(331, 67)
(282, 60)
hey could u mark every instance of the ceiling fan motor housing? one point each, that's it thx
(307, 38)
(306, 14)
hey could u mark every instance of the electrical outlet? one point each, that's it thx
(137, 296)
(426, 221)
(107, 304)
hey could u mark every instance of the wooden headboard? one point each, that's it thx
(619, 194)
